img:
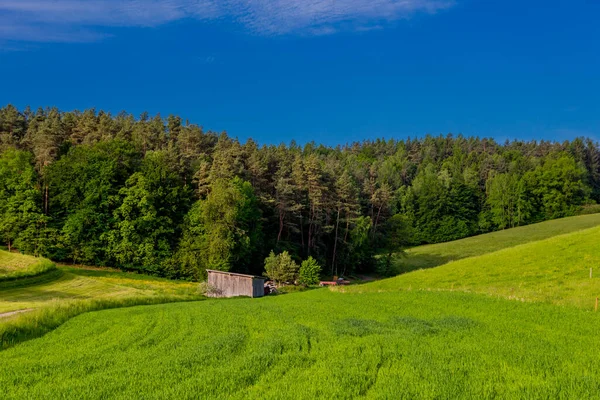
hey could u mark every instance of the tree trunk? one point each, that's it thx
(302, 230)
(281, 220)
(347, 228)
(377, 220)
(337, 224)
(310, 228)
(46, 200)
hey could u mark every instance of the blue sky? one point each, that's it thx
(323, 70)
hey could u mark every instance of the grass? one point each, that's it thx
(14, 266)
(555, 270)
(34, 323)
(454, 331)
(84, 284)
(53, 298)
(430, 256)
(315, 344)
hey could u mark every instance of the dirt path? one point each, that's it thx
(11, 313)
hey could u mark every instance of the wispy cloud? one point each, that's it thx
(77, 21)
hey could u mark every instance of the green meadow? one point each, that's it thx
(35, 304)
(85, 284)
(316, 344)
(437, 254)
(554, 270)
(14, 266)
(513, 318)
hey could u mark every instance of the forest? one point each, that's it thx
(165, 197)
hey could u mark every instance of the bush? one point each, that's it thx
(310, 272)
(589, 209)
(280, 268)
(208, 290)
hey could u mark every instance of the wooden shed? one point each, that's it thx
(228, 284)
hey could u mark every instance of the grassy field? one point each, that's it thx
(38, 305)
(12, 262)
(455, 331)
(317, 344)
(14, 266)
(437, 254)
(555, 270)
(83, 284)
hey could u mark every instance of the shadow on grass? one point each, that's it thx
(113, 273)
(410, 262)
(37, 280)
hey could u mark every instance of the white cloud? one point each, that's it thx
(71, 20)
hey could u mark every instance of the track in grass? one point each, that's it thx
(73, 291)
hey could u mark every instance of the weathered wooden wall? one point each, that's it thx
(258, 287)
(232, 285)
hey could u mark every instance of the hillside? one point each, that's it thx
(34, 305)
(317, 344)
(92, 284)
(437, 254)
(152, 194)
(15, 266)
(12, 262)
(554, 270)
(453, 331)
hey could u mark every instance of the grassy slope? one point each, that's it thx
(76, 291)
(14, 266)
(11, 262)
(317, 344)
(554, 270)
(83, 284)
(372, 341)
(437, 254)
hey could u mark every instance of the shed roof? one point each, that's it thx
(234, 274)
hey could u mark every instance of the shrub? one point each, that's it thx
(280, 268)
(208, 290)
(589, 209)
(310, 272)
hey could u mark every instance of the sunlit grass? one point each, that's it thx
(437, 254)
(15, 266)
(486, 325)
(81, 284)
(77, 290)
(555, 270)
(316, 344)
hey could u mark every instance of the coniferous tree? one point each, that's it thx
(102, 189)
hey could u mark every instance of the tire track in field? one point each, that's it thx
(11, 313)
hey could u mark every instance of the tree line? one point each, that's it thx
(163, 196)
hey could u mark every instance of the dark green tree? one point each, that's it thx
(222, 232)
(148, 220)
(21, 219)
